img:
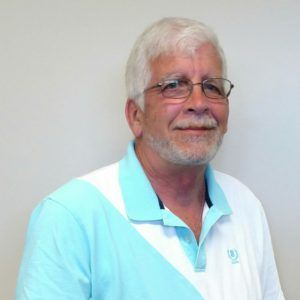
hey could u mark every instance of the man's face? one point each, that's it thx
(184, 132)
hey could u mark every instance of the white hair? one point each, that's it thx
(165, 36)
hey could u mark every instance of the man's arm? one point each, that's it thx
(269, 276)
(56, 262)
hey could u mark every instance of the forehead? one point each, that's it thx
(203, 62)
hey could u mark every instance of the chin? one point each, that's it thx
(192, 152)
(192, 158)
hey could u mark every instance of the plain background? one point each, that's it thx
(62, 102)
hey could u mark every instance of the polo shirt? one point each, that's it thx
(105, 236)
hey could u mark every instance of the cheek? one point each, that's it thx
(220, 113)
(172, 113)
(223, 118)
(160, 117)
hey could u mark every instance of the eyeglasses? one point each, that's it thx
(213, 88)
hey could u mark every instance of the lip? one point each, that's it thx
(196, 129)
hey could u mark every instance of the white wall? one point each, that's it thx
(62, 100)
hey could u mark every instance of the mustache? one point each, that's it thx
(203, 121)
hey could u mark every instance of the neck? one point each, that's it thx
(177, 185)
(181, 188)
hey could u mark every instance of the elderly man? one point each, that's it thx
(161, 223)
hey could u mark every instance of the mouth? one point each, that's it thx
(196, 128)
(205, 123)
(196, 131)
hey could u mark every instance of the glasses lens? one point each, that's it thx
(216, 88)
(175, 88)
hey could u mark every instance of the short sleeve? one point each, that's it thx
(269, 276)
(56, 263)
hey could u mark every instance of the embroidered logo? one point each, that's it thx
(233, 255)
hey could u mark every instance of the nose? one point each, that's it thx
(197, 101)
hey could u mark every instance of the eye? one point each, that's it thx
(171, 85)
(213, 88)
(175, 84)
(175, 88)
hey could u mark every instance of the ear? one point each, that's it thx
(134, 116)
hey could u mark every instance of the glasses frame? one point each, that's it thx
(191, 88)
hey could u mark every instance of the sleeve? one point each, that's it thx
(271, 288)
(56, 261)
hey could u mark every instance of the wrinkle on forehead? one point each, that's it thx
(206, 52)
(188, 53)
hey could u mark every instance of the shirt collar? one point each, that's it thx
(140, 198)
(216, 194)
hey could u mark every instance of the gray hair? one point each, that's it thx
(165, 36)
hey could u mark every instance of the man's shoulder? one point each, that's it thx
(228, 181)
(102, 176)
(85, 192)
(237, 193)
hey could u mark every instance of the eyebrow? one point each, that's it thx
(171, 76)
(179, 75)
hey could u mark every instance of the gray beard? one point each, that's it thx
(201, 151)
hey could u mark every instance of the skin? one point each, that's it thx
(180, 186)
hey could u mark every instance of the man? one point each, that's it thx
(161, 223)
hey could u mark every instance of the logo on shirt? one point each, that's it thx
(233, 255)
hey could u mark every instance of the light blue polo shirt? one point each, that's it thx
(104, 236)
(135, 185)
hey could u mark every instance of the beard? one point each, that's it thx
(189, 150)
